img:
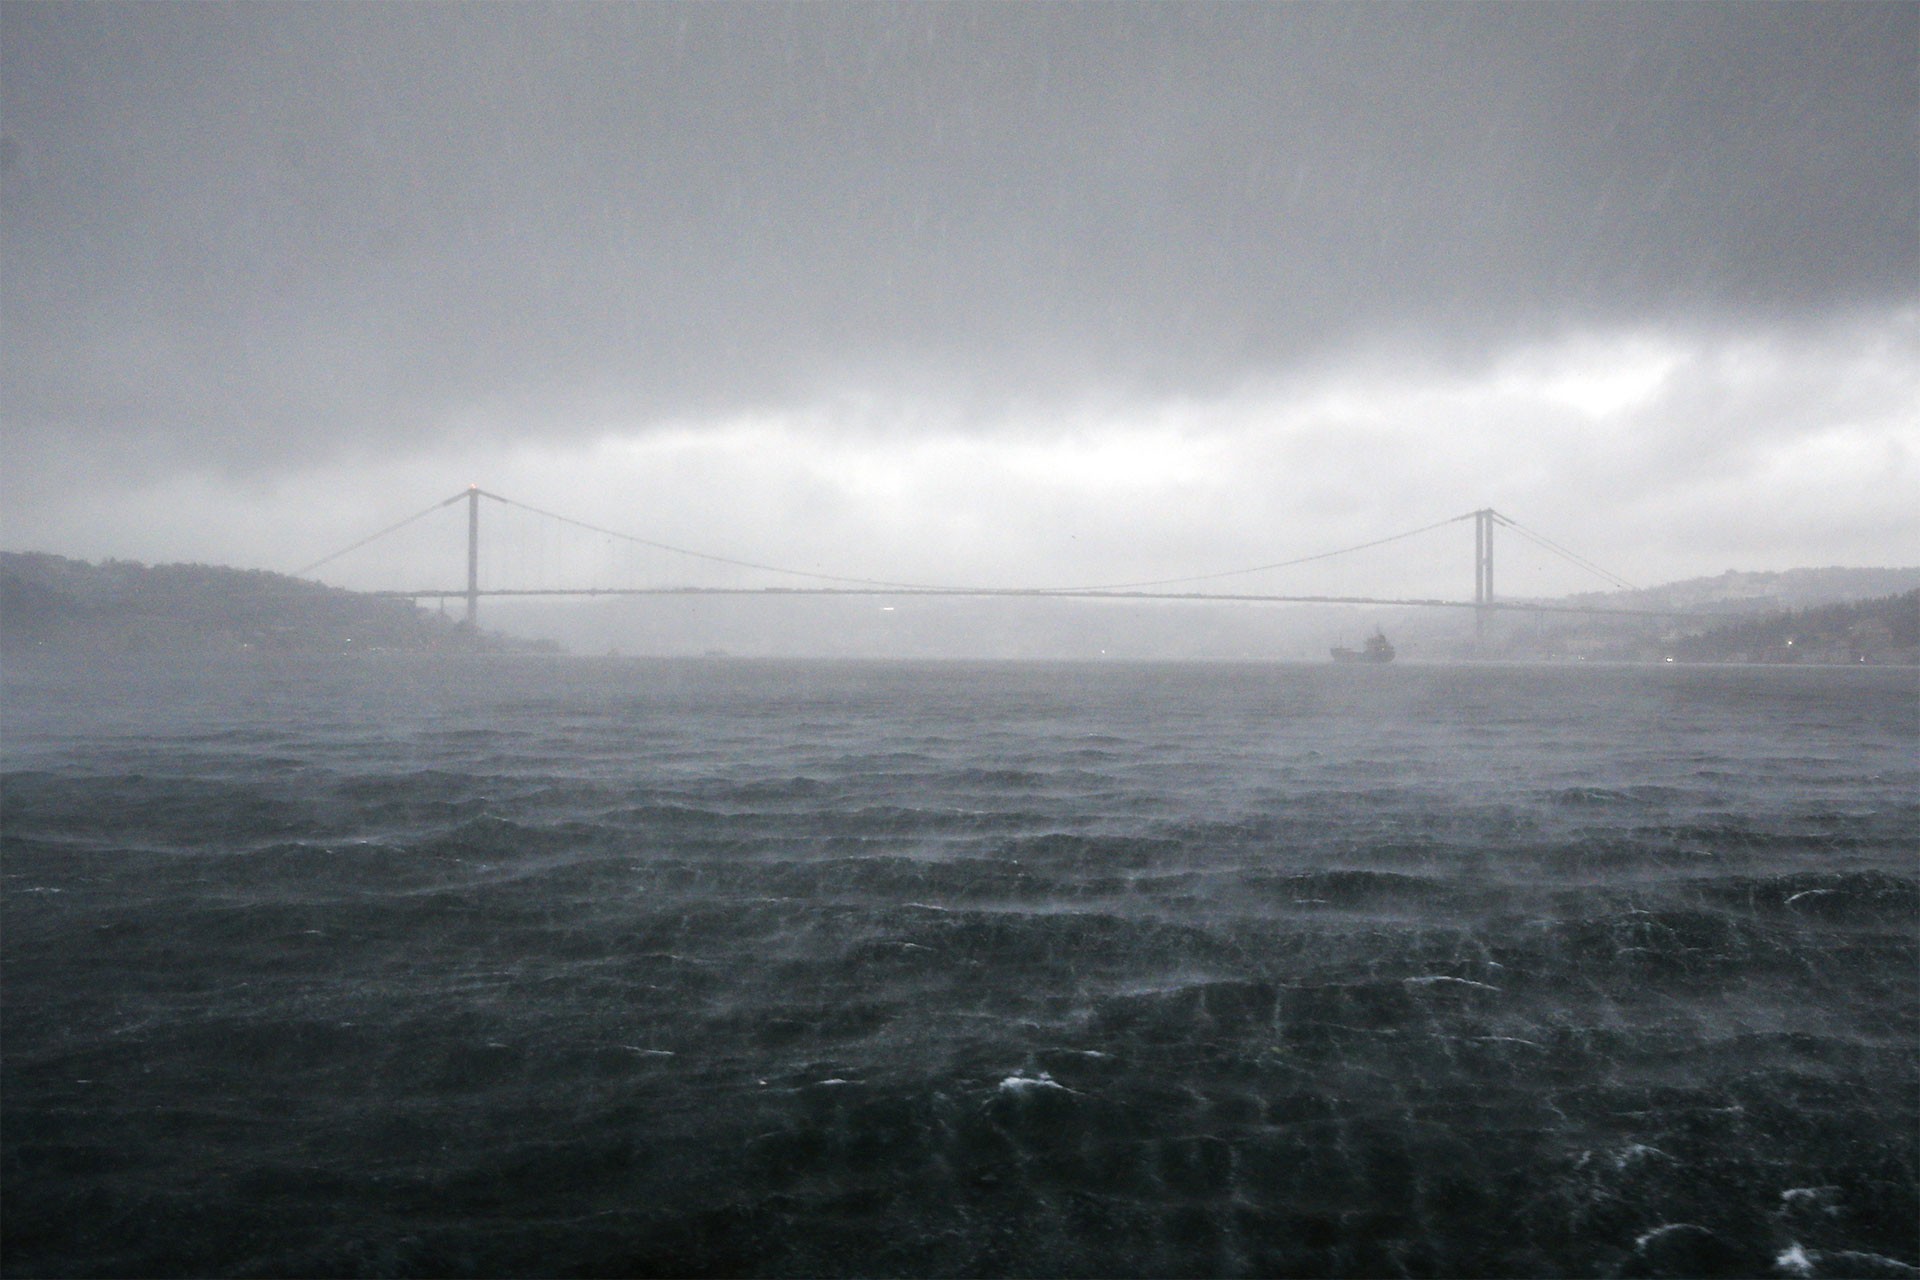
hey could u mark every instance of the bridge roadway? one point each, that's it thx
(1486, 519)
(1028, 593)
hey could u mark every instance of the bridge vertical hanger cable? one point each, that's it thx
(1278, 564)
(1548, 544)
(923, 586)
(616, 535)
(1484, 519)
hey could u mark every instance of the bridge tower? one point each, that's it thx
(473, 557)
(1483, 521)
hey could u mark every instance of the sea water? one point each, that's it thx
(518, 966)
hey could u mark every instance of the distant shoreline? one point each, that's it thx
(51, 604)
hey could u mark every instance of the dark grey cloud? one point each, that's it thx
(252, 235)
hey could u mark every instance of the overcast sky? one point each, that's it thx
(1023, 294)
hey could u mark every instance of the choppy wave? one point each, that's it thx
(739, 969)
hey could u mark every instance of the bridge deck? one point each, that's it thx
(1197, 597)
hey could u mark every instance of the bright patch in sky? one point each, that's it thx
(1595, 379)
(1580, 439)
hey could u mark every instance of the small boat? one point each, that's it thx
(1377, 649)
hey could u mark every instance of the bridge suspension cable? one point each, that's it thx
(1548, 544)
(375, 537)
(474, 493)
(922, 586)
(703, 555)
(1278, 564)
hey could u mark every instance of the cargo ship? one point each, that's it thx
(1376, 649)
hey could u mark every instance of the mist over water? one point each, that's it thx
(519, 966)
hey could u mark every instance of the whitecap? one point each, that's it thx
(1856, 1262)
(1668, 1229)
(1018, 1084)
(1793, 1261)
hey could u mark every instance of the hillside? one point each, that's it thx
(1701, 606)
(50, 602)
(1884, 631)
(1758, 592)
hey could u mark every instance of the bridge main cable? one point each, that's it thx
(474, 492)
(375, 537)
(1541, 540)
(1261, 568)
(924, 586)
(703, 555)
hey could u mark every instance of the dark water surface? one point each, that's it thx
(738, 968)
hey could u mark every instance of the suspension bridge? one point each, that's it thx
(780, 581)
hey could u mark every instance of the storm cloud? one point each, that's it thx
(273, 242)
